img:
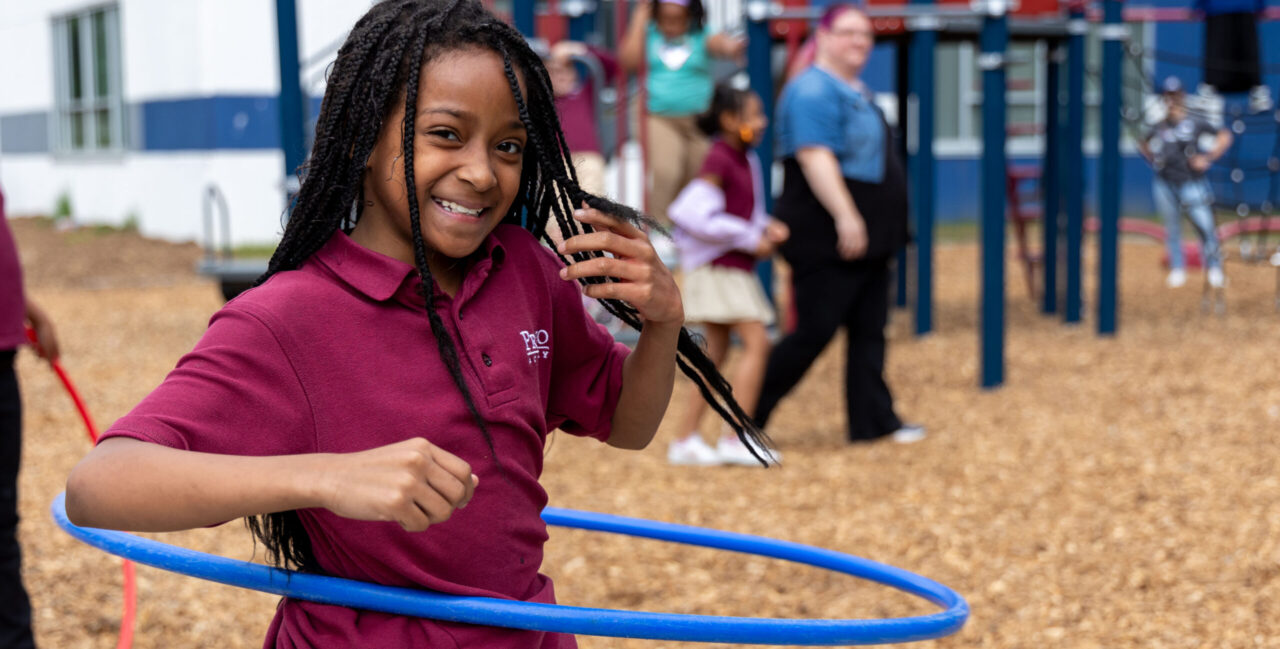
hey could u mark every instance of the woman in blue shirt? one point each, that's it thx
(844, 197)
(667, 38)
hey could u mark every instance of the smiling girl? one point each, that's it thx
(377, 407)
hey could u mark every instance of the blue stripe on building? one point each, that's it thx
(225, 122)
(24, 133)
(220, 122)
(243, 122)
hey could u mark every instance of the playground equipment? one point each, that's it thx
(577, 620)
(1246, 181)
(915, 28)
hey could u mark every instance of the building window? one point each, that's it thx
(90, 110)
(958, 118)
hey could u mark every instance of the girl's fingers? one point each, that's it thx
(632, 294)
(455, 465)
(605, 241)
(454, 490)
(600, 220)
(432, 501)
(606, 267)
(411, 516)
(433, 506)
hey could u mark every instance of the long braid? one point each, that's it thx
(444, 341)
(362, 82)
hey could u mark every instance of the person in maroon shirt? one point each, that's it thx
(576, 106)
(377, 407)
(16, 313)
(721, 229)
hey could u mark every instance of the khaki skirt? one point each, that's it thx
(725, 295)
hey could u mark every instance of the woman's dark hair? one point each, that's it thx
(726, 98)
(697, 13)
(380, 64)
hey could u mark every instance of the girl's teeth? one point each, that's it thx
(454, 207)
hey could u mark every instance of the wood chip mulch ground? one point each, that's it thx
(1117, 492)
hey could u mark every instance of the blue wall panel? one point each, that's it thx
(24, 133)
(222, 122)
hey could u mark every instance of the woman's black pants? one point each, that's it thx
(15, 607)
(856, 297)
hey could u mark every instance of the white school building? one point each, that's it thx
(130, 110)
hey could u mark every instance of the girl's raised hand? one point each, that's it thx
(645, 282)
(642, 13)
(414, 483)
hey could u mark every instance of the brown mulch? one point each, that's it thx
(1117, 492)
(99, 257)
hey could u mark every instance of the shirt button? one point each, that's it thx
(488, 362)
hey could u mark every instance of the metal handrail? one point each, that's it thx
(214, 196)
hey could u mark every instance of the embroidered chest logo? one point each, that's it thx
(537, 344)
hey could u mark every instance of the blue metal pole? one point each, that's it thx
(522, 14)
(293, 139)
(1114, 32)
(1051, 178)
(582, 18)
(902, 79)
(924, 40)
(994, 40)
(760, 73)
(1077, 27)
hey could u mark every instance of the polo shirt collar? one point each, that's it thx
(381, 278)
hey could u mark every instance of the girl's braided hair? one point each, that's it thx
(380, 64)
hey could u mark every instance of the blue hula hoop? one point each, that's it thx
(573, 619)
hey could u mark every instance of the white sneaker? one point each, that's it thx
(732, 451)
(1260, 99)
(1177, 278)
(692, 451)
(1275, 258)
(1216, 278)
(909, 434)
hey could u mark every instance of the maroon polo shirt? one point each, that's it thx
(734, 171)
(577, 109)
(338, 357)
(13, 306)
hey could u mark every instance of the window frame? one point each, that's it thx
(90, 105)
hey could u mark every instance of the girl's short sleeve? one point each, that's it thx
(717, 163)
(236, 393)
(586, 375)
